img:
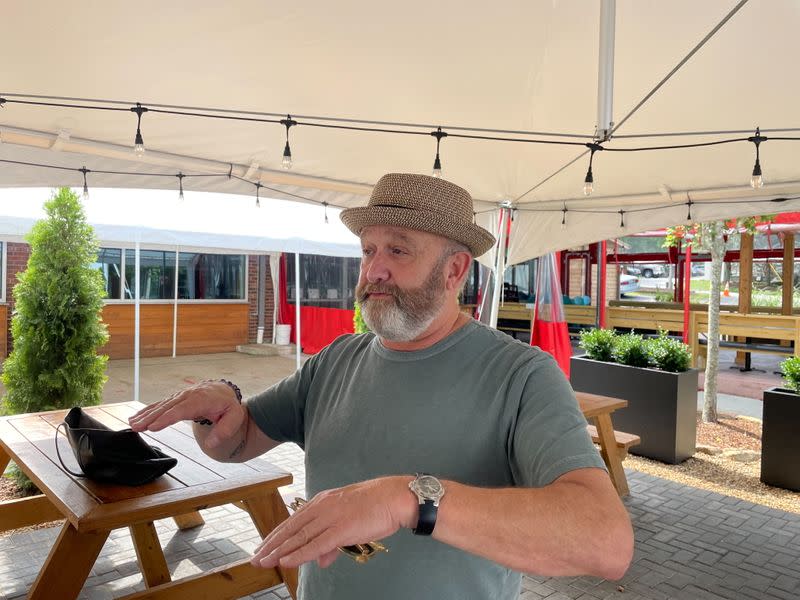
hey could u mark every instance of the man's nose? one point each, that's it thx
(376, 270)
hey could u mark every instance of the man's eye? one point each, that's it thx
(398, 251)
(366, 251)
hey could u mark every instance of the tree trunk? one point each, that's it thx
(716, 244)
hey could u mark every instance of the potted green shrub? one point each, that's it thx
(653, 375)
(780, 442)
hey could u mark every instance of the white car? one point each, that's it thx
(628, 284)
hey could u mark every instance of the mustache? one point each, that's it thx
(363, 293)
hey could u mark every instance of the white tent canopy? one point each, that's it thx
(520, 66)
(201, 222)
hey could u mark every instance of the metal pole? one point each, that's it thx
(262, 281)
(605, 69)
(297, 307)
(136, 265)
(175, 306)
(499, 271)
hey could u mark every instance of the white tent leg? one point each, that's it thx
(175, 306)
(136, 263)
(297, 306)
(500, 269)
(274, 269)
(605, 69)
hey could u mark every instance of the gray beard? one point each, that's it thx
(394, 324)
(408, 313)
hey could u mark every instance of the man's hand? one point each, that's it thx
(212, 400)
(354, 514)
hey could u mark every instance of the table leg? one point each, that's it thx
(188, 520)
(4, 460)
(68, 564)
(267, 511)
(608, 449)
(149, 554)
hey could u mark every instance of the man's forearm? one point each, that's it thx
(576, 526)
(245, 443)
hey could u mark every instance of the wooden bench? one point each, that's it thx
(758, 330)
(623, 440)
(645, 319)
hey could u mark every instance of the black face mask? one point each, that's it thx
(106, 456)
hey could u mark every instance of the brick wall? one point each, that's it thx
(16, 261)
(252, 299)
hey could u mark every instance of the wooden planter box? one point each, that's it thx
(662, 406)
(780, 439)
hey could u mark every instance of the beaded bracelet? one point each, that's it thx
(236, 390)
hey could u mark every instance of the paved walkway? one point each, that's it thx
(690, 544)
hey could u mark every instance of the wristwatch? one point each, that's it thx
(429, 491)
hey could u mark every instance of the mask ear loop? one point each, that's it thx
(58, 453)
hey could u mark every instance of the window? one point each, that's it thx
(324, 280)
(211, 276)
(519, 284)
(109, 263)
(156, 275)
(200, 276)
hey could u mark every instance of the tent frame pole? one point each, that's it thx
(605, 69)
(297, 308)
(136, 321)
(500, 268)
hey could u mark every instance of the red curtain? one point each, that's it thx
(319, 326)
(549, 328)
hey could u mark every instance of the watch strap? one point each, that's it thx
(427, 518)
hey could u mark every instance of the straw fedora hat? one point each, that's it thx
(423, 203)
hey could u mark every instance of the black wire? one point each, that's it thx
(677, 146)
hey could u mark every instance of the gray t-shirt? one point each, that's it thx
(477, 407)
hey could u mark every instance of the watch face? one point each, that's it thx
(428, 487)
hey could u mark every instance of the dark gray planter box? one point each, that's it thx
(780, 440)
(662, 407)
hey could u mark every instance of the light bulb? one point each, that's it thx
(180, 196)
(437, 167)
(286, 163)
(588, 182)
(85, 192)
(756, 180)
(258, 203)
(138, 146)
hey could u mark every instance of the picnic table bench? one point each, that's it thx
(759, 333)
(92, 510)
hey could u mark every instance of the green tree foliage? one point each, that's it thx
(790, 369)
(56, 325)
(630, 349)
(598, 344)
(359, 326)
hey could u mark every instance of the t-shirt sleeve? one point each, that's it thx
(550, 437)
(279, 411)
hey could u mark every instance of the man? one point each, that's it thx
(512, 482)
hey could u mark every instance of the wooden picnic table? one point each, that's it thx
(93, 510)
(599, 409)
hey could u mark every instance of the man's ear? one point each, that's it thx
(457, 269)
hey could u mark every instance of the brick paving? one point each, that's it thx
(691, 544)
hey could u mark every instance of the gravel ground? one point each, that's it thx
(720, 473)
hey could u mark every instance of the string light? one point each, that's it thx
(258, 198)
(756, 180)
(588, 181)
(689, 214)
(180, 177)
(325, 208)
(437, 164)
(564, 217)
(286, 163)
(138, 141)
(621, 218)
(84, 170)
